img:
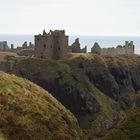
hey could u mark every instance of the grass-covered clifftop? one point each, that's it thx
(28, 112)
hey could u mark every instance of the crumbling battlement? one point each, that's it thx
(75, 47)
(128, 48)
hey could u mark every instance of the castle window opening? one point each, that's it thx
(41, 55)
(45, 46)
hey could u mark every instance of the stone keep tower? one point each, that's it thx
(53, 45)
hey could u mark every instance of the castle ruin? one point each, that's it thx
(4, 46)
(75, 47)
(52, 45)
(127, 49)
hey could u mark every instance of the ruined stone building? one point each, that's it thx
(127, 49)
(4, 46)
(96, 48)
(75, 47)
(52, 45)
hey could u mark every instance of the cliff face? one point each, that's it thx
(126, 72)
(98, 74)
(67, 85)
(96, 89)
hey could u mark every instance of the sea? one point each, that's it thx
(104, 41)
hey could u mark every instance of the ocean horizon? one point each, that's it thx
(104, 41)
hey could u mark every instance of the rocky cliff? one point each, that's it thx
(97, 90)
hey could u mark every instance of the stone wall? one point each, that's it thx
(53, 45)
(75, 47)
(128, 48)
(117, 51)
(4, 46)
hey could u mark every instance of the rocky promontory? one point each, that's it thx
(96, 89)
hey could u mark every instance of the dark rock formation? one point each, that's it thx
(65, 85)
(98, 75)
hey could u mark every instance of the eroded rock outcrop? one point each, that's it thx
(59, 79)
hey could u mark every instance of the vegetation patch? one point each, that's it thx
(28, 112)
(129, 128)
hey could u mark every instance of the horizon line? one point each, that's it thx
(78, 35)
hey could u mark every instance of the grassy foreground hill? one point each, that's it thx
(28, 112)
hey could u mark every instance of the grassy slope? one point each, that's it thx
(102, 120)
(29, 112)
(4, 54)
(2, 137)
(129, 128)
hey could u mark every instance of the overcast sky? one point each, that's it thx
(78, 17)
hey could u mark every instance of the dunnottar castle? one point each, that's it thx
(55, 45)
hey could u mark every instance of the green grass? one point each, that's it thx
(129, 128)
(103, 120)
(28, 112)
